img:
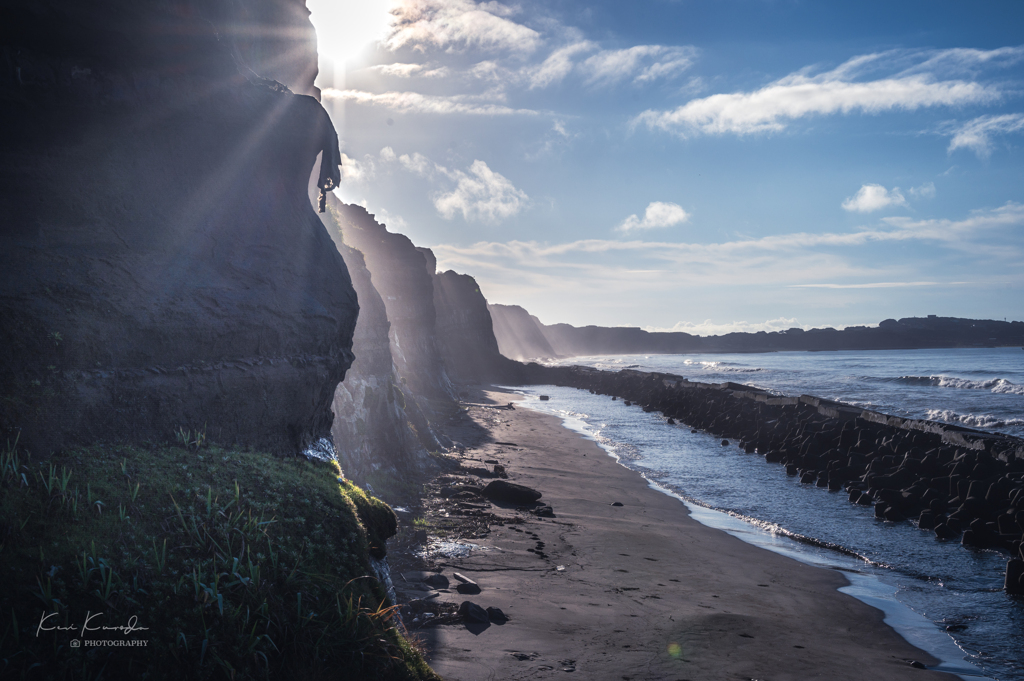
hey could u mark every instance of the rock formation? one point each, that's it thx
(400, 275)
(372, 411)
(160, 263)
(465, 332)
(519, 334)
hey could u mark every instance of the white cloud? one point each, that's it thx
(481, 194)
(417, 164)
(642, 63)
(882, 284)
(454, 24)
(976, 134)
(925, 191)
(354, 171)
(872, 197)
(413, 102)
(658, 214)
(798, 95)
(400, 70)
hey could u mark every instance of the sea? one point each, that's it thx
(942, 597)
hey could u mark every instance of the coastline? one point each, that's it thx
(646, 592)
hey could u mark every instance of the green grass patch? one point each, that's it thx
(238, 565)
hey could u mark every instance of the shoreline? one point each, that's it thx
(645, 591)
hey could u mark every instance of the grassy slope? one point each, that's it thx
(241, 565)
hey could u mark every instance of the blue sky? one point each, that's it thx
(698, 166)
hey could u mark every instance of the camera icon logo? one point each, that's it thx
(75, 643)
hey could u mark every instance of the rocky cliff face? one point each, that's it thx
(519, 334)
(465, 332)
(372, 413)
(160, 263)
(400, 275)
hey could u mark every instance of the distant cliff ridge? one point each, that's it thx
(160, 263)
(522, 336)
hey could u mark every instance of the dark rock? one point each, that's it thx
(545, 398)
(671, 421)
(510, 492)
(473, 613)
(725, 443)
(544, 511)
(944, 531)
(496, 615)
(437, 581)
(616, 503)
(917, 665)
(926, 520)
(466, 585)
(499, 471)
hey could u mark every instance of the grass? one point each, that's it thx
(240, 565)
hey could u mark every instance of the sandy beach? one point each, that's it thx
(637, 591)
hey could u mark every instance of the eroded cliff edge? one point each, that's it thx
(160, 263)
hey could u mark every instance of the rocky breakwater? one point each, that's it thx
(161, 266)
(959, 483)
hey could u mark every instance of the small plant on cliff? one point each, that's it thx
(191, 440)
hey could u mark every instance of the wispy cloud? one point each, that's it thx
(883, 284)
(414, 102)
(641, 64)
(839, 91)
(872, 197)
(925, 191)
(977, 134)
(457, 24)
(402, 70)
(658, 214)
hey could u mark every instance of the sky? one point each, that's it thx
(700, 166)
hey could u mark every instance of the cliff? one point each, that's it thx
(465, 331)
(521, 335)
(160, 263)
(400, 275)
(371, 429)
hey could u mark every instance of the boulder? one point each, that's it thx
(510, 492)
(437, 581)
(473, 613)
(496, 615)
(466, 585)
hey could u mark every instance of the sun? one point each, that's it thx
(344, 28)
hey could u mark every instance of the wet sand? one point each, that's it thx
(637, 591)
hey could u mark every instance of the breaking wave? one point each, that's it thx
(996, 385)
(972, 420)
(723, 367)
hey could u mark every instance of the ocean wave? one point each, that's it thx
(722, 367)
(996, 385)
(972, 420)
